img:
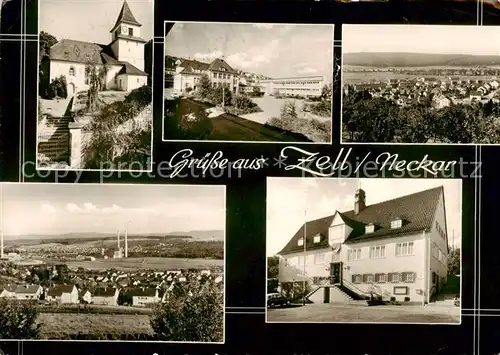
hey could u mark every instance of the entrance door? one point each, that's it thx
(326, 295)
(336, 273)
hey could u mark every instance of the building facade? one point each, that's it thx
(396, 250)
(188, 74)
(106, 296)
(65, 294)
(144, 297)
(121, 62)
(308, 86)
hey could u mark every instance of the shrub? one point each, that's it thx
(141, 96)
(57, 88)
(198, 316)
(322, 108)
(18, 320)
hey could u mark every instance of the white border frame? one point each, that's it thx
(172, 186)
(395, 143)
(378, 323)
(152, 108)
(246, 23)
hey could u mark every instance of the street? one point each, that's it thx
(360, 313)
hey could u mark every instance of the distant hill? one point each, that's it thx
(215, 234)
(394, 60)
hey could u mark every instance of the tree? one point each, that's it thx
(256, 91)
(289, 110)
(205, 86)
(18, 320)
(193, 313)
(96, 76)
(46, 41)
(273, 263)
(454, 261)
(326, 92)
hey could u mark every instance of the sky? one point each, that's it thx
(436, 39)
(289, 198)
(275, 51)
(104, 208)
(91, 20)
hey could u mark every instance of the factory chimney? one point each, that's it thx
(126, 244)
(118, 236)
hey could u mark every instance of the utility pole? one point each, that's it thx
(305, 239)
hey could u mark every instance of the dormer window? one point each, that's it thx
(300, 242)
(369, 228)
(317, 239)
(397, 223)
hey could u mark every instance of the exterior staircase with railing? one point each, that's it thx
(446, 295)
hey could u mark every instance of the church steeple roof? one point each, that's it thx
(126, 16)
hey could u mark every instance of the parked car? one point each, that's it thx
(176, 95)
(277, 300)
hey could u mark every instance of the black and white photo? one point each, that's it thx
(94, 92)
(364, 250)
(112, 262)
(244, 82)
(417, 84)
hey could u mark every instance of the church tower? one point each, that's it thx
(126, 42)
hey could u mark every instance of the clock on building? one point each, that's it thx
(124, 29)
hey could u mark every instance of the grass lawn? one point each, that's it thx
(93, 326)
(364, 314)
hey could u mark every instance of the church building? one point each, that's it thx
(122, 60)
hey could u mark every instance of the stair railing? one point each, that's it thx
(354, 288)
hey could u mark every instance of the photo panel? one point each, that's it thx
(248, 82)
(373, 251)
(114, 262)
(95, 85)
(411, 84)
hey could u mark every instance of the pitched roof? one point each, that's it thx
(28, 289)
(191, 65)
(77, 51)
(105, 292)
(131, 70)
(146, 292)
(417, 211)
(9, 287)
(221, 65)
(58, 290)
(126, 16)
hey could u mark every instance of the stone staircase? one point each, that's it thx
(53, 139)
(338, 294)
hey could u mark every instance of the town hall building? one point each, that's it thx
(122, 59)
(396, 250)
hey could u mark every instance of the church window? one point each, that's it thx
(71, 71)
(131, 32)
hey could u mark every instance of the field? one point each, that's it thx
(130, 264)
(358, 77)
(93, 326)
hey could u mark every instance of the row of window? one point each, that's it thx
(393, 277)
(316, 240)
(297, 89)
(297, 82)
(222, 76)
(377, 252)
(441, 231)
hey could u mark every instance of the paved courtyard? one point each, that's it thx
(360, 313)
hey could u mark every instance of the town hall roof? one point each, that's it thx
(126, 16)
(417, 211)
